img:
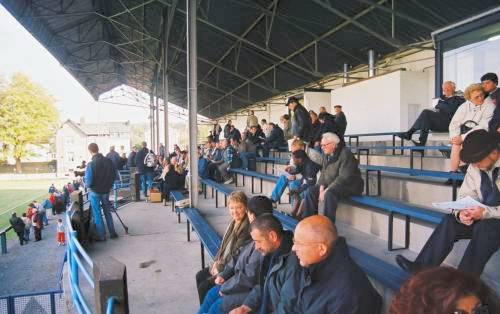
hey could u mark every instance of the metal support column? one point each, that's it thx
(371, 63)
(151, 114)
(192, 93)
(157, 118)
(165, 79)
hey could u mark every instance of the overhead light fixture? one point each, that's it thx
(496, 37)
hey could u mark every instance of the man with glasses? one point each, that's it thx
(327, 280)
(340, 177)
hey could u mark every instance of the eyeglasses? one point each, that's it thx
(479, 309)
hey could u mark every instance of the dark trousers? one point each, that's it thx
(20, 235)
(204, 282)
(311, 199)
(484, 238)
(38, 233)
(429, 120)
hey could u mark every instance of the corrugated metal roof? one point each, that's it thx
(248, 50)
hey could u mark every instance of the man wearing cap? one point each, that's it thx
(301, 121)
(489, 82)
(240, 275)
(479, 224)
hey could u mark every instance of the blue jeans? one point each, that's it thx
(244, 156)
(146, 182)
(96, 200)
(212, 301)
(281, 185)
(45, 220)
(27, 233)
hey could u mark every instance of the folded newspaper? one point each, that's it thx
(463, 203)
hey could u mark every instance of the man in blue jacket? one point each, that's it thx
(100, 175)
(144, 169)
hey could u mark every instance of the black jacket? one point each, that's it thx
(340, 124)
(131, 159)
(17, 223)
(495, 120)
(227, 128)
(301, 123)
(273, 271)
(448, 106)
(235, 134)
(139, 161)
(315, 131)
(309, 171)
(334, 285)
(276, 138)
(103, 174)
(327, 126)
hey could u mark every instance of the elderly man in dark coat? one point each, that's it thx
(340, 177)
(328, 280)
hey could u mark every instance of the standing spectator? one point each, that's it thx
(52, 199)
(480, 224)
(52, 189)
(316, 126)
(18, 226)
(287, 126)
(144, 161)
(47, 204)
(251, 119)
(326, 124)
(444, 290)
(438, 119)
(489, 82)
(474, 114)
(340, 121)
(99, 177)
(131, 158)
(27, 227)
(61, 239)
(41, 212)
(161, 150)
(114, 157)
(322, 109)
(340, 177)
(227, 129)
(234, 133)
(301, 121)
(123, 162)
(217, 129)
(37, 224)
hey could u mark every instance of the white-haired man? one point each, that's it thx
(438, 119)
(340, 177)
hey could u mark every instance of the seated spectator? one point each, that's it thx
(290, 178)
(236, 236)
(172, 180)
(481, 225)
(215, 158)
(274, 244)
(228, 157)
(234, 283)
(328, 280)
(489, 82)
(340, 121)
(275, 140)
(326, 124)
(301, 121)
(340, 177)
(439, 119)
(18, 226)
(287, 126)
(444, 290)
(474, 114)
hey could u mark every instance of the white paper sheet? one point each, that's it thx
(463, 203)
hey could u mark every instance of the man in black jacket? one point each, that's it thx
(275, 139)
(328, 280)
(340, 177)
(340, 121)
(489, 81)
(144, 170)
(436, 120)
(274, 244)
(301, 122)
(18, 226)
(100, 175)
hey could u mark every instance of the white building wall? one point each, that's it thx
(313, 100)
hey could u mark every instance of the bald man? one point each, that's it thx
(328, 280)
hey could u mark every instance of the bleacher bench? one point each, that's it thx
(253, 175)
(209, 239)
(218, 187)
(175, 197)
(273, 161)
(453, 176)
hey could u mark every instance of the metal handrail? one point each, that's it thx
(3, 239)
(111, 305)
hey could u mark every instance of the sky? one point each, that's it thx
(21, 52)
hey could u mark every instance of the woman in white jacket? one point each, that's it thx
(474, 114)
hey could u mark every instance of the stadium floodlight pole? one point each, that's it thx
(192, 93)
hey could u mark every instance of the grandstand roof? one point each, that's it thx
(248, 50)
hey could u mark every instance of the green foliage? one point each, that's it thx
(27, 115)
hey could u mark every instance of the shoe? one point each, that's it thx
(113, 236)
(228, 181)
(407, 265)
(417, 143)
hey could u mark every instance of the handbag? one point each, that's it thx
(467, 126)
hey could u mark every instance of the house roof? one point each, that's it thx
(248, 50)
(104, 128)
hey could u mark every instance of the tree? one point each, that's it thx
(27, 116)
